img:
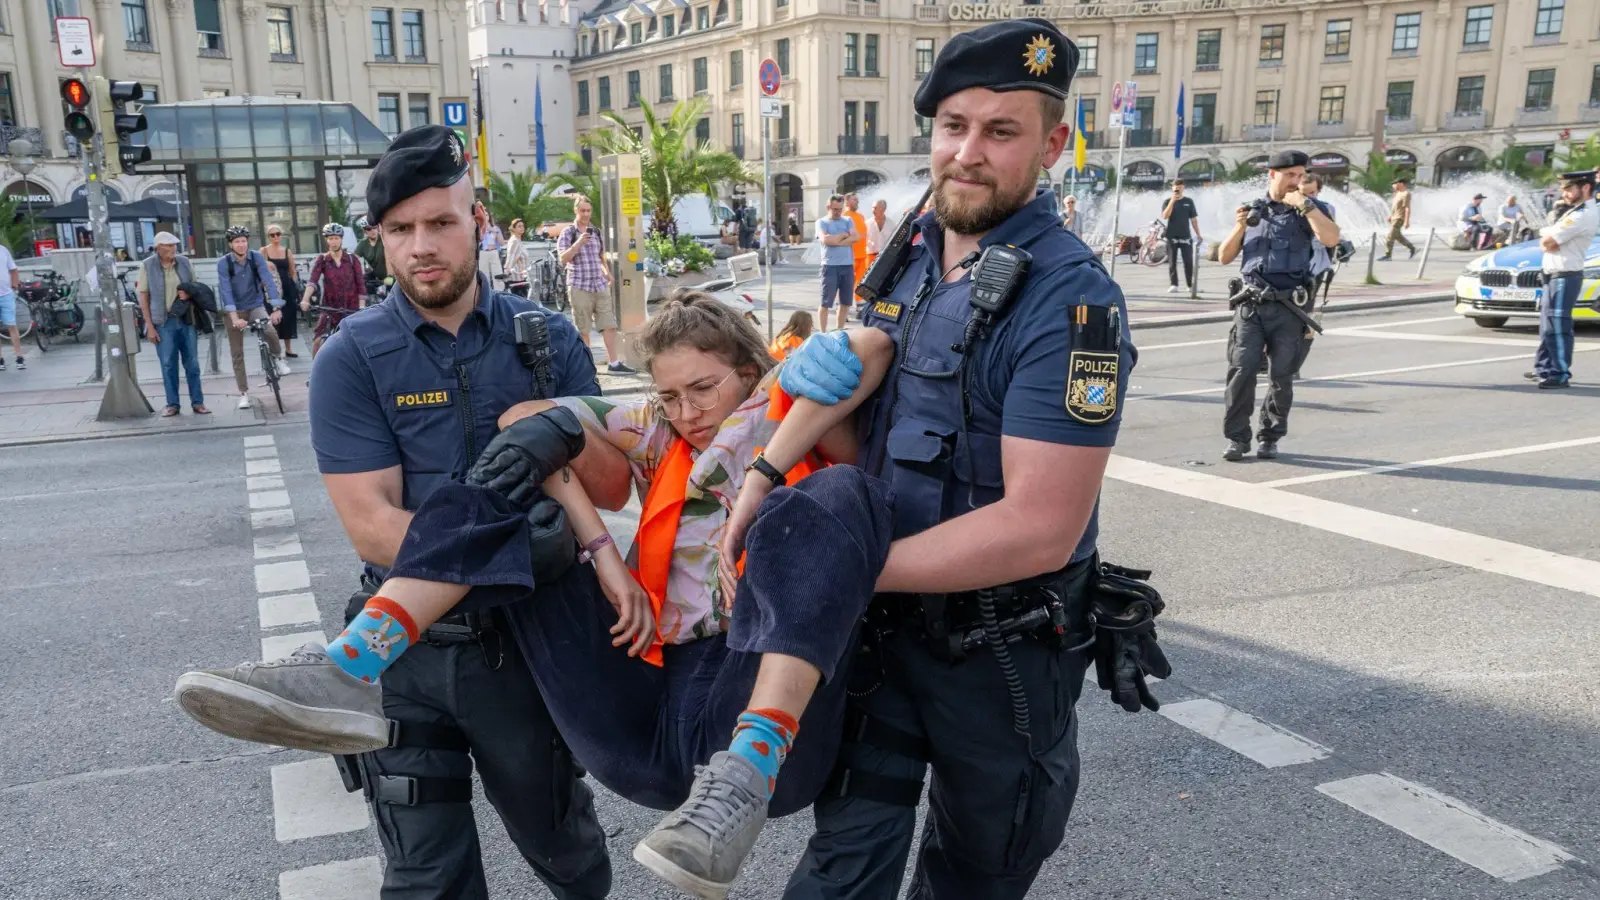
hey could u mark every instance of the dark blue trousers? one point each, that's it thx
(1553, 361)
(641, 729)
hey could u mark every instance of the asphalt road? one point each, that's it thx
(1385, 682)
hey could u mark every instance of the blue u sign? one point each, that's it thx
(455, 113)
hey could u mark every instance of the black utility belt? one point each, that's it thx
(1551, 276)
(1050, 607)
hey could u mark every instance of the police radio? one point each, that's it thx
(533, 345)
(996, 278)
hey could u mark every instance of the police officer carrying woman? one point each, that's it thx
(406, 396)
(1272, 300)
(993, 427)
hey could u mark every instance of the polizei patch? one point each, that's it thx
(1092, 386)
(421, 399)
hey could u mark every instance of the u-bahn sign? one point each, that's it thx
(1113, 9)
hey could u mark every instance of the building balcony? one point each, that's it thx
(1399, 125)
(1331, 130)
(927, 13)
(1203, 134)
(1476, 120)
(1144, 137)
(783, 148)
(1536, 116)
(1275, 132)
(921, 144)
(34, 136)
(1589, 112)
(781, 13)
(865, 144)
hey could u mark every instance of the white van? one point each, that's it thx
(699, 217)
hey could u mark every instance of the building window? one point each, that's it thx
(413, 36)
(1548, 19)
(852, 54)
(924, 56)
(783, 124)
(1336, 41)
(1088, 115)
(136, 22)
(8, 103)
(1398, 105)
(664, 82)
(1407, 33)
(280, 33)
(1594, 90)
(418, 110)
(722, 12)
(1480, 26)
(1469, 95)
(583, 98)
(1144, 110)
(851, 109)
(702, 18)
(1144, 52)
(735, 69)
(207, 21)
(588, 156)
(60, 8)
(636, 33)
(1088, 55)
(1541, 85)
(700, 80)
(383, 34)
(669, 26)
(702, 131)
(1271, 43)
(389, 113)
(870, 64)
(781, 56)
(924, 127)
(152, 94)
(738, 130)
(604, 90)
(1267, 107)
(1330, 107)
(654, 25)
(1205, 114)
(1208, 49)
(633, 88)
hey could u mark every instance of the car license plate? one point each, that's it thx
(1528, 295)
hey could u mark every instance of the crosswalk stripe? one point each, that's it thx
(1448, 825)
(264, 483)
(309, 800)
(268, 499)
(350, 879)
(262, 467)
(274, 545)
(272, 518)
(288, 609)
(281, 577)
(261, 453)
(1244, 734)
(259, 440)
(1430, 463)
(281, 645)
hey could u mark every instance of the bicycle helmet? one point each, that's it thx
(332, 229)
(361, 223)
(236, 231)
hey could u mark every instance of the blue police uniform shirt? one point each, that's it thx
(1279, 250)
(1019, 375)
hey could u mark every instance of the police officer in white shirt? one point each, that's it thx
(1565, 242)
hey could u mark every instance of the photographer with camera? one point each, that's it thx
(1271, 300)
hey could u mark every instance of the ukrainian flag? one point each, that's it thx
(1080, 145)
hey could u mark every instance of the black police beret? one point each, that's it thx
(1019, 55)
(1285, 159)
(1579, 178)
(427, 156)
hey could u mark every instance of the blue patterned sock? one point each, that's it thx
(374, 639)
(764, 736)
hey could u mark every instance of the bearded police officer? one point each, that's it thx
(993, 426)
(1272, 300)
(405, 397)
(1565, 243)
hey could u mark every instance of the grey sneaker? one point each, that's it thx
(1267, 450)
(1236, 450)
(302, 701)
(700, 846)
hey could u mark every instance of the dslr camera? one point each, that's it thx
(1256, 208)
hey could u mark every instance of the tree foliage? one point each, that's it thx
(1580, 155)
(1514, 162)
(1379, 173)
(578, 176)
(526, 195)
(16, 227)
(339, 209)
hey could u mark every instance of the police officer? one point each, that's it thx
(1274, 301)
(993, 427)
(405, 397)
(1565, 242)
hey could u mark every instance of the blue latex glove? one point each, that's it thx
(823, 369)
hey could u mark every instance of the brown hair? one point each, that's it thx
(799, 325)
(695, 319)
(1052, 109)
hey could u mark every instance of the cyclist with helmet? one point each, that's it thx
(248, 292)
(337, 280)
(370, 249)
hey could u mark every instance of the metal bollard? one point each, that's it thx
(211, 344)
(1372, 259)
(1194, 284)
(1425, 248)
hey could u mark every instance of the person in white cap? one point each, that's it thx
(175, 337)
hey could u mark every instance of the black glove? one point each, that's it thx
(1125, 647)
(520, 458)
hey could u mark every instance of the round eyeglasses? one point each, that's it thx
(705, 397)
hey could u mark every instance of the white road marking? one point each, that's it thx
(264, 483)
(1448, 825)
(350, 879)
(282, 645)
(281, 577)
(269, 499)
(262, 467)
(1207, 341)
(259, 440)
(261, 453)
(276, 545)
(272, 518)
(1244, 734)
(288, 609)
(1433, 338)
(1348, 330)
(1396, 532)
(1428, 463)
(309, 800)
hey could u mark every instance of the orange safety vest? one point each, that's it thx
(663, 506)
(779, 349)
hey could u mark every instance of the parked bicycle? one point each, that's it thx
(52, 309)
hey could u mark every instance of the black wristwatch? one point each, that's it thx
(760, 465)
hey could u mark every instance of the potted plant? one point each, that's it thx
(674, 261)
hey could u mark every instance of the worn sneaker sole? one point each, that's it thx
(673, 874)
(251, 714)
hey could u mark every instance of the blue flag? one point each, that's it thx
(1177, 145)
(538, 126)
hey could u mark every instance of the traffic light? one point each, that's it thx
(118, 126)
(77, 121)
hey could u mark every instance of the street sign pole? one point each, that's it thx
(770, 79)
(123, 398)
(1116, 202)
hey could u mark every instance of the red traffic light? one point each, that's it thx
(75, 92)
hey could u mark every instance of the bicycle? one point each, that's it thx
(52, 310)
(269, 363)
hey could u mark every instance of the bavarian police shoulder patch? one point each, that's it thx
(1092, 386)
(421, 400)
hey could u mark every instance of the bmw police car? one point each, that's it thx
(1507, 284)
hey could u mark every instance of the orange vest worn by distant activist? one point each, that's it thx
(779, 349)
(663, 504)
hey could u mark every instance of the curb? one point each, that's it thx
(114, 435)
(1352, 306)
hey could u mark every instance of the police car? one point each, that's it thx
(1507, 284)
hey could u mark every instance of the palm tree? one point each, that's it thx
(1241, 172)
(16, 227)
(526, 195)
(672, 163)
(1514, 161)
(1581, 155)
(1379, 173)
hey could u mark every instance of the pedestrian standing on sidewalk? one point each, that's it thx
(582, 250)
(1183, 231)
(247, 290)
(1069, 215)
(176, 340)
(794, 229)
(282, 259)
(1565, 242)
(837, 235)
(1399, 219)
(8, 306)
(858, 250)
(878, 231)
